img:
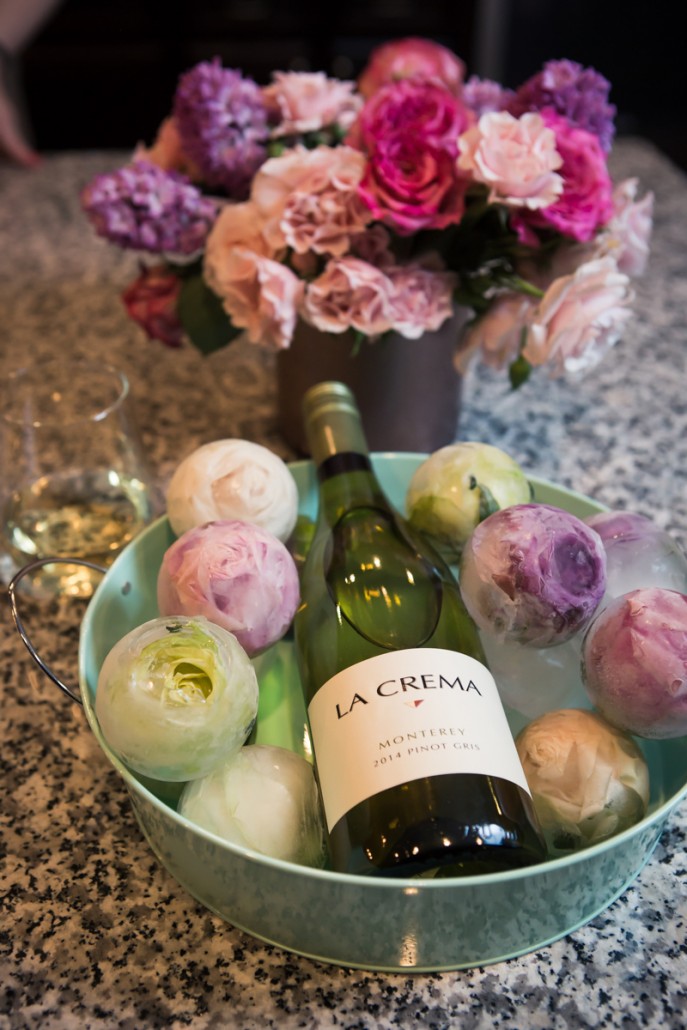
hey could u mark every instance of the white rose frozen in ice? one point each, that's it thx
(588, 779)
(175, 697)
(264, 798)
(233, 479)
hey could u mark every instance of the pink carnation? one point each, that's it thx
(414, 107)
(627, 235)
(579, 318)
(309, 101)
(374, 246)
(409, 58)
(586, 201)
(261, 296)
(350, 294)
(411, 184)
(515, 157)
(309, 199)
(422, 299)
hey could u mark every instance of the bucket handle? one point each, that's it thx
(12, 591)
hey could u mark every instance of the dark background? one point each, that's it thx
(102, 73)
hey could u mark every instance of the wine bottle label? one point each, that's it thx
(403, 716)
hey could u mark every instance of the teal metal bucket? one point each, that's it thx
(374, 924)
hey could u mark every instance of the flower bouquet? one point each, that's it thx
(380, 207)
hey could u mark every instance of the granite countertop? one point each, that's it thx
(95, 932)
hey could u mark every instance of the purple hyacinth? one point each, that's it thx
(483, 95)
(223, 125)
(580, 94)
(143, 207)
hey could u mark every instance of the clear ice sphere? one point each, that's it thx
(533, 680)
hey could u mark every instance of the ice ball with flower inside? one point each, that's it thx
(457, 486)
(532, 574)
(588, 779)
(175, 697)
(233, 479)
(638, 554)
(634, 662)
(265, 798)
(237, 575)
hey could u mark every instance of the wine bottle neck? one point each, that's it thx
(339, 450)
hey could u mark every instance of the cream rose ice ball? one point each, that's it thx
(237, 575)
(233, 479)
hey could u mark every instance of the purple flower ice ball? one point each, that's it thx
(533, 574)
(638, 554)
(236, 574)
(634, 662)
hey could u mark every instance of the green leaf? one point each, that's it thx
(202, 315)
(519, 371)
(487, 502)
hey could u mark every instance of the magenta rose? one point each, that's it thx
(411, 106)
(151, 301)
(586, 202)
(410, 184)
(410, 58)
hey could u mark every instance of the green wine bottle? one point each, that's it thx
(417, 767)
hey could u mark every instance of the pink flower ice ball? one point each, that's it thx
(634, 662)
(237, 575)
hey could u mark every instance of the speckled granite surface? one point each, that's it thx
(94, 932)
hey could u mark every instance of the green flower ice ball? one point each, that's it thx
(459, 485)
(176, 697)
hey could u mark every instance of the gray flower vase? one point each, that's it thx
(408, 391)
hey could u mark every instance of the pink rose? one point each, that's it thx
(626, 237)
(308, 101)
(411, 107)
(579, 318)
(151, 301)
(409, 58)
(411, 185)
(515, 157)
(422, 299)
(260, 296)
(586, 200)
(350, 294)
(309, 199)
(497, 335)
(238, 225)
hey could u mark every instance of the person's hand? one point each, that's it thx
(12, 142)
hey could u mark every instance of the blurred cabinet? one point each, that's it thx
(103, 74)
